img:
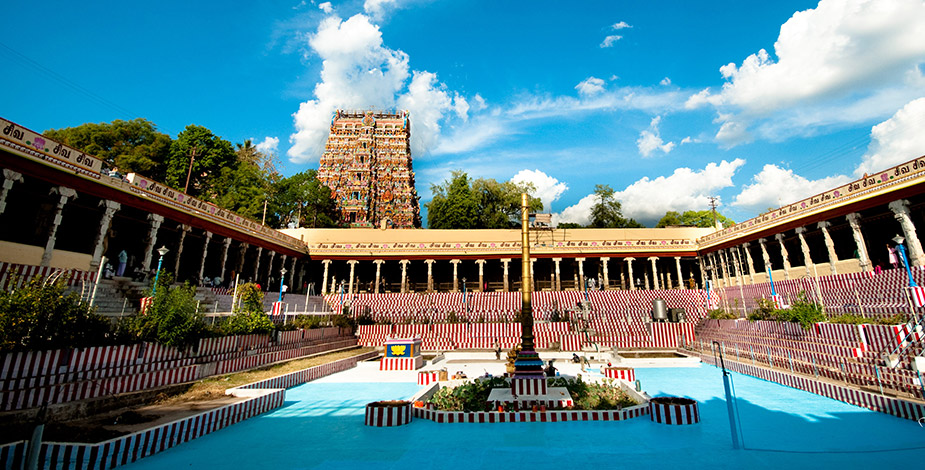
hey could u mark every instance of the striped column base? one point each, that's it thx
(401, 363)
(426, 377)
(674, 410)
(528, 387)
(388, 413)
(625, 373)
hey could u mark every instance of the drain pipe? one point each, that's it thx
(730, 405)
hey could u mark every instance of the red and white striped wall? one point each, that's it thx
(401, 363)
(529, 416)
(624, 373)
(382, 414)
(668, 413)
(14, 275)
(427, 377)
(528, 387)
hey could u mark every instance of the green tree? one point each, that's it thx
(213, 156)
(693, 218)
(461, 203)
(304, 200)
(130, 146)
(607, 212)
(249, 317)
(172, 319)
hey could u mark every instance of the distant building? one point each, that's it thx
(367, 165)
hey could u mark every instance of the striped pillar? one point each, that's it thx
(674, 410)
(388, 413)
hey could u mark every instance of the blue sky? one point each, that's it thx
(668, 102)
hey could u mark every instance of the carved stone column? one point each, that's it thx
(653, 259)
(715, 274)
(404, 275)
(378, 264)
(854, 220)
(430, 274)
(900, 210)
(581, 273)
(481, 264)
(353, 264)
(734, 256)
(110, 208)
(763, 242)
(205, 254)
(270, 268)
(724, 265)
(558, 280)
(703, 271)
(9, 177)
(64, 195)
(505, 262)
(829, 245)
(292, 277)
(677, 265)
(184, 229)
(532, 277)
(151, 239)
(783, 254)
(282, 266)
(324, 280)
(455, 263)
(629, 267)
(257, 263)
(606, 274)
(751, 263)
(242, 254)
(225, 246)
(807, 258)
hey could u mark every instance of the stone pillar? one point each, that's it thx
(105, 222)
(714, 270)
(353, 264)
(481, 264)
(324, 280)
(734, 255)
(9, 177)
(783, 254)
(900, 208)
(455, 263)
(151, 239)
(404, 275)
(257, 263)
(282, 266)
(606, 274)
(378, 263)
(581, 273)
(763, 242)
(724, 266)
(829, 245)
(558, 286)
(225, 246)
(653, 259)
(430, 274)
(205, 253)
(184, 229)
(854, 219)
(270, 269)
(64, 194)
(807, 259)
(629, 267)
(703, 272)
(532, 277)
(666, 279)
(292, 277)
(751, 263)
(677, 265)
(505, 262)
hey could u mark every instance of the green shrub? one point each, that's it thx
(249, 317)
(855, 319)
(46, 316)
(308, 322)
(172, 318)
(803, 311)
(720, 314)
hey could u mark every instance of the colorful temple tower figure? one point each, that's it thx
(367, 165)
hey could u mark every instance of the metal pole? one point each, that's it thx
(157, 274)
(99, 274)
(730, 405)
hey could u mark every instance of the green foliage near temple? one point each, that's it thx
(720, 314)
(802, 311)
(607, 212)
(248, 317)
(463, 203)
(172, 318)
(693, 219)
(239, 177)
(44, 315)
(593, 395)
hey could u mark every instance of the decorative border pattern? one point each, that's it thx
(531, 417)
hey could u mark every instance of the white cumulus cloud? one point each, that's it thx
(896, 140)
(590, 86)
(649, 140)
(428, 102)
(270, 145)
(326, 7)
(548, 189)
(610, 40)
(774, 186)
(647, 200)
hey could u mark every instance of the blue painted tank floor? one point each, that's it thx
(321, 426)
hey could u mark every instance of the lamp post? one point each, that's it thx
(162, 251)
(282, 277)
(465, 298)
(899, 239)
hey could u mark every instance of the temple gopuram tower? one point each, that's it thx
(367, 165)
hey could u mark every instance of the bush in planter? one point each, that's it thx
(249, 317)
(720, 314)
(46, 316)
(854, 319)
(308, 322)
(172, 318)
(470, 396)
